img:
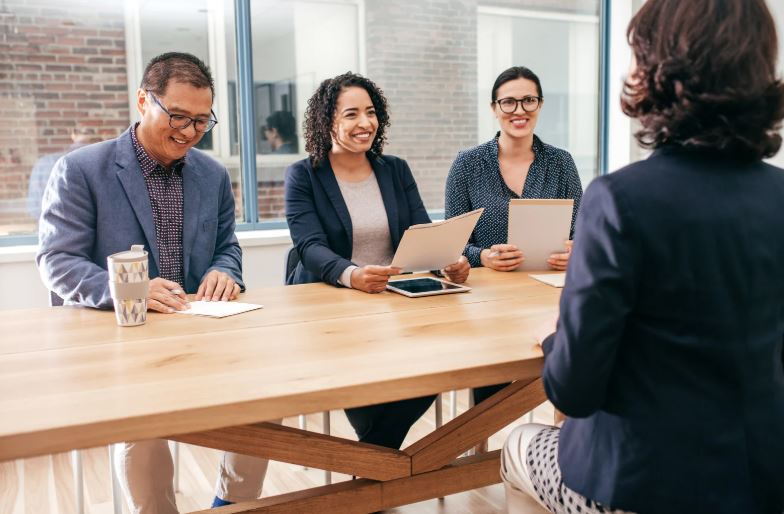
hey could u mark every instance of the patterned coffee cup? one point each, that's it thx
(129, 282)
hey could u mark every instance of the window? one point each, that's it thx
(296, 45)
(63, 84)
(562, 48)
(621, 128)
(204, 28)
(69, 72)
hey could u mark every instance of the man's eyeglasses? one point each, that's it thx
(180, 121)
(528, 103)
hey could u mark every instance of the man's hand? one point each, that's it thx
(458, 271)
(372, 279)
(218, 286)
(166, 296)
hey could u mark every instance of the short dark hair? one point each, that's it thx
(320, 115)
(284, 123)
(706, 76)
(178, 67)
(514, 73)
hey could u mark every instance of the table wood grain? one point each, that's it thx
(71, 378)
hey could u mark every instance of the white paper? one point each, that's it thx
(219, 309)
(551, 279)
(433, 246)
(539, 228)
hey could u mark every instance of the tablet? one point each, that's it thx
(414, 287)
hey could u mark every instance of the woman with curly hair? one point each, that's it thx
(347, 206)
(668, 355)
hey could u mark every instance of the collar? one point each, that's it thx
(147, 163)
(492, 146)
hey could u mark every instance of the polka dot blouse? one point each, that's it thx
(475, 181)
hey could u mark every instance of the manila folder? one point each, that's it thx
(539, 228)
(433, 246)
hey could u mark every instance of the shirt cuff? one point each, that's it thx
(345, 277)
(474, 255)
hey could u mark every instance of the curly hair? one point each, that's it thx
(320, 115)
(706, 76)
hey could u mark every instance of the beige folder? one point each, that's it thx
(433, 246)
(539, 228)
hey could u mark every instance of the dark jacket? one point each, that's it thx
(668, 357)
(319, 220)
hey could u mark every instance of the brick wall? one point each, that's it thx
(270, 196)
(58, 65)
(423, 54)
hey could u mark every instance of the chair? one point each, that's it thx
(76, 457)
(290, 264)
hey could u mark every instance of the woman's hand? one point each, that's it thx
(372, 279)
(457, 272)
(559, 261)
(501, 257)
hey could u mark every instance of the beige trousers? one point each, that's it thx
(516, 475)
(146, 474)
(514, 469)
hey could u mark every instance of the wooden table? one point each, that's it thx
(71, 378)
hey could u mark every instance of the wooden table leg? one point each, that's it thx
(427, 469)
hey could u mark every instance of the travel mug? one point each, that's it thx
(129, 282)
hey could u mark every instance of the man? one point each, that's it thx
(81, 135)
(150, 186)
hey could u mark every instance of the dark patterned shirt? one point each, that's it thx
(165, 189)
(475, 181)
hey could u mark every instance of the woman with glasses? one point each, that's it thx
(514, 164)
(347, 206)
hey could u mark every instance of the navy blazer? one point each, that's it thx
(669, 352)
(320, 223)
(97, 204)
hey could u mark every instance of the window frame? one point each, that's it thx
(243, 39)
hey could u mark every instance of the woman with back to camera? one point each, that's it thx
(514, 164)
(668, 356)
(347, 206)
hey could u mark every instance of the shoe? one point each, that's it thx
(217, 502)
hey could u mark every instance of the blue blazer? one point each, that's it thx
(97, 204)
(669, 352)
(319, 221)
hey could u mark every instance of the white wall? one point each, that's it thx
(777, 7)
(623, 148)
(262, 264)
